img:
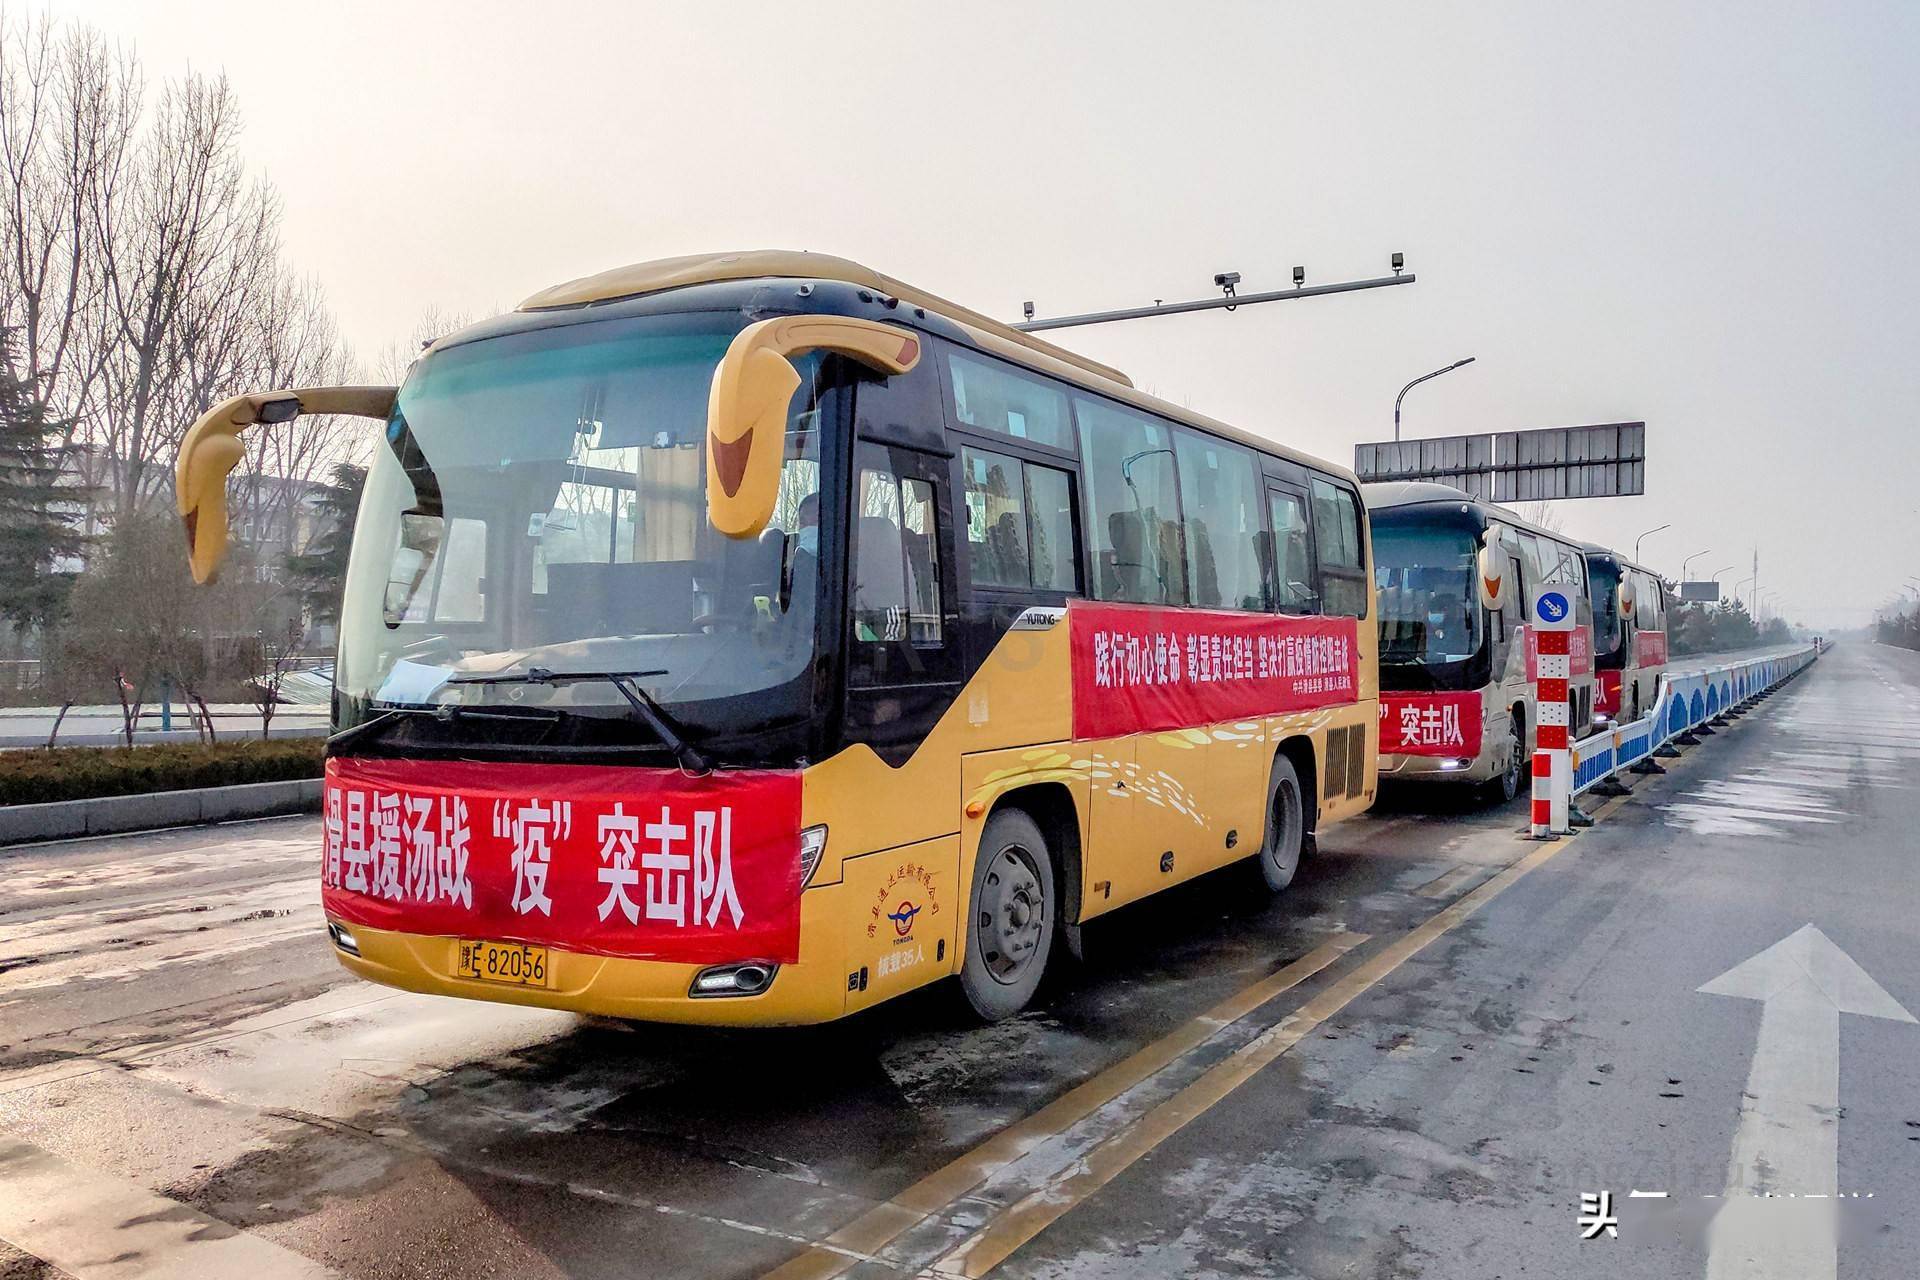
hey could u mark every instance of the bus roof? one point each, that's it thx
(1387, 494)
(987, 333)
(1595, 549)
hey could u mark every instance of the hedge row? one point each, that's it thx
(81, 773)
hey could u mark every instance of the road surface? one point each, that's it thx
(1413, 1064)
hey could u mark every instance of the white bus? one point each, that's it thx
(1453, 577)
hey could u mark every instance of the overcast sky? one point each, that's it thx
(1698, 215)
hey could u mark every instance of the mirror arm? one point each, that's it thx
(211, 449)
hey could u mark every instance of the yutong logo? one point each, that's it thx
(902, 916)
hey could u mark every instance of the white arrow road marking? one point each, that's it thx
(1788, 1142)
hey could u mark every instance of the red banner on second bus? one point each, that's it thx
(642, 863)
(1430, 724)
(1141, 669)
(1650, 649)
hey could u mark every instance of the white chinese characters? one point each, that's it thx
(1431, 725)
(398, 847)
(674, 869)
(1129, 659)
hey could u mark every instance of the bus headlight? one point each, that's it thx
(746, 979)
(813, 843)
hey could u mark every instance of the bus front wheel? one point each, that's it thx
(1507, 786)
(1286, 826)
(1012, 923)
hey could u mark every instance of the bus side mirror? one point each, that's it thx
(211, 449)
(753, 386)
(1626, 602)
(1494, 575)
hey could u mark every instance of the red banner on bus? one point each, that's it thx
(1649, 649)
(1430, 724)
(642, 863)
(1579, 652)
(1141, 669)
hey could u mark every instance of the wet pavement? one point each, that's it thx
(1414, 1063)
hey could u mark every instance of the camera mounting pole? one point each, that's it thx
(1230, 301)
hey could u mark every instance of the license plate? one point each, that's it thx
(513, 963)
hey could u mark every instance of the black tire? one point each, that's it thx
(1285, 838)
(1506, 787)
(1010, 929)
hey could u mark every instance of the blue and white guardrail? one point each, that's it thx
(1689, 701)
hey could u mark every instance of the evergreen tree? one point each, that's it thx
(321, 572)
(37, 520)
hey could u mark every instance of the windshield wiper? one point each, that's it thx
(651, 713)
(445, 713)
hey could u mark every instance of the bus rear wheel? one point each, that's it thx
(1012, 922)
(1286, 826)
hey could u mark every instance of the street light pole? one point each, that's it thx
(1416, 382)
(1643, 537)
(1689, 560)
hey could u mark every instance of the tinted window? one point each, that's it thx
(1133, 506)
(1293, 589)
(990, 396)
(1056, 565)
(896, 577)
(996, 519)
(1336, 524)
(1220, 495)
(1020, 522)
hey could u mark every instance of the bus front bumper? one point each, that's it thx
(811, 991)
(1438, 769)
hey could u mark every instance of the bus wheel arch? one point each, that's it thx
(1286, 827)
(1299, 750)
(1013, 879)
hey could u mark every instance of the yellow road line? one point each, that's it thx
(1446, 882)
(1007, 1232)
(874, 1229)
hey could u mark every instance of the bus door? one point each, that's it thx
(903, 661)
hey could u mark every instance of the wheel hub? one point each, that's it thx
(1012, 915)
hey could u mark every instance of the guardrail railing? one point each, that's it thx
(1689, 703)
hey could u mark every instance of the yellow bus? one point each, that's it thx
(749, 639)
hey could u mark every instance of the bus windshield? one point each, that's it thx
(538, 509)
(1429, 609)
(1604, 583)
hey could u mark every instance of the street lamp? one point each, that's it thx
(1689, 560)
(1643, 537)
(1416, 382)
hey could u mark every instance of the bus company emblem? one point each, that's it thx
(901, 882)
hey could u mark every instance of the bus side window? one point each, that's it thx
(1132, 505)
(1019, 524)
(1292, 554)
(1343, 570)
(896, 576)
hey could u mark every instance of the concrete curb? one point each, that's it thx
(107, 815)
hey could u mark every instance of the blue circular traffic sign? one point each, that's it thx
(1552, 606)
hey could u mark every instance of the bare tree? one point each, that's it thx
(186, 257)
(68, 109)
(1544, 514)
